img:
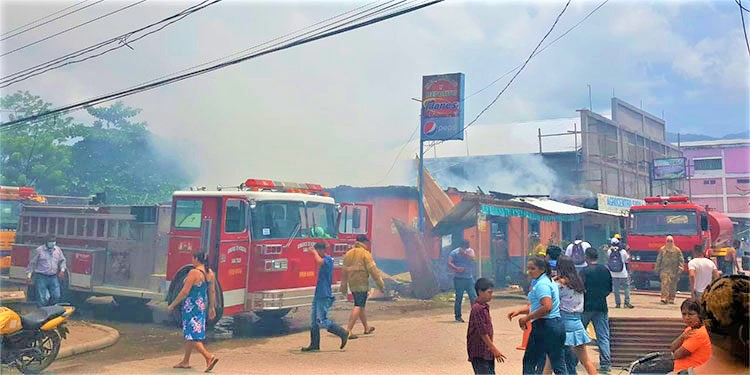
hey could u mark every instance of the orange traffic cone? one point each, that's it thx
(526, 334)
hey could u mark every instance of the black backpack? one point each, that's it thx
(578, 254)
(614, 263)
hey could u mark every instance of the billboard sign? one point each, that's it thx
(442, 107)
(669, 169)
(617, 205)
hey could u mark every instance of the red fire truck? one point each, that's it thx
(689, 224)
(256, 236)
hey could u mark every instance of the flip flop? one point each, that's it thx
(352, 337)
(182, 367)
(369, 331)
(211, 364)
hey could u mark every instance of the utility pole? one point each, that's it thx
(591, 107)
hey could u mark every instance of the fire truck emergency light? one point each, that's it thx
(290, 187)
(676, 198)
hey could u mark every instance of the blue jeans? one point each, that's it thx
(461, 286)
(319, 318)
(601, 327)
(47, 289)
(621, 284)
(547, 339)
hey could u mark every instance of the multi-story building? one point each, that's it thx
(720, 175)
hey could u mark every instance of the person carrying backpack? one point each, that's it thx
(617, 257)
(577, 252)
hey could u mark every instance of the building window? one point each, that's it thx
(709, 182)
(743, 180)
(707, 164)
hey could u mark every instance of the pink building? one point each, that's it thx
(720, 175)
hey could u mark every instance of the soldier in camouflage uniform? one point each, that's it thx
(669, 265)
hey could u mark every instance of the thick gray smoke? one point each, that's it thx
(514, 174)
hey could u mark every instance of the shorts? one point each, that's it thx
(360, 298)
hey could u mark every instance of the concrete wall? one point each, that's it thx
(728, 189)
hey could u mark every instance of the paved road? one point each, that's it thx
(426, 341)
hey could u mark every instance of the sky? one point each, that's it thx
(339, 110)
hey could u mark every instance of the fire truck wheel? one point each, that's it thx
(272, 314)
(130, 302)
(176, 286)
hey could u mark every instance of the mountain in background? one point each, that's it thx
(672, 137)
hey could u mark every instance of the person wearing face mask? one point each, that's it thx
(46, 268)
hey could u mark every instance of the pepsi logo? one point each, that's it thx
(430, 128)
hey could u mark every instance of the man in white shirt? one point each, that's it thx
(702, 271)
(577, 252)
(617, 260)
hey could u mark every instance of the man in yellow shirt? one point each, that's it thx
(358, 268)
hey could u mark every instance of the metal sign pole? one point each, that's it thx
(420, 221)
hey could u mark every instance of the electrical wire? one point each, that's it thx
(4, 37)
(483, 111)
(42, 19)
(255, 47)
(72, 28)
(329, 33)
(741, 6)
(121, 40)
(581, 21)
(411, 137)
(361, 14)
(744, 29)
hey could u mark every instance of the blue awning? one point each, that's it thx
(519, 212)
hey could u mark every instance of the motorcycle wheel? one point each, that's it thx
(48, 343)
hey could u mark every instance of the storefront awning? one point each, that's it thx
(564, 208)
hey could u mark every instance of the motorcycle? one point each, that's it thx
(30, 342)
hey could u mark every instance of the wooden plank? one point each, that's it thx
(10, 296)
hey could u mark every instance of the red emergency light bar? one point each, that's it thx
(676, 198)
(290, 187)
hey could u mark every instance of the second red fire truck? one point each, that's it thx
(257, 236)
(689, 224)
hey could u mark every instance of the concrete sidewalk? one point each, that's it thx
(85, 337)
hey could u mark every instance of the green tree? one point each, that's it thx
(36, 153)
(117, 156)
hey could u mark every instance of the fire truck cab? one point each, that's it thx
(689, 224)
(257, 237)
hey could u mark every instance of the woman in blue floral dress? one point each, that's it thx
(198, 301)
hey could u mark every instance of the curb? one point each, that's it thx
(111, 336)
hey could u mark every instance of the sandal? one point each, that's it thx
(369, 331)
(352, 337)
(182, 366)
(211, 364)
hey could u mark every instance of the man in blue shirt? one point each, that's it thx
(322, 301)
(461, 262)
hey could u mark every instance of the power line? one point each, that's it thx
(72, 28)
(411, 137)
(373, 11)
(744, 30)
(49, 21)
(359, 15)
(43, 18)
(542, 49)
(122, 41)
(581, 21)
(514, 76)
(742, 7)
(330, 33)
(255, 47)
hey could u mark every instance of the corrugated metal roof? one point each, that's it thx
(562, 208)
